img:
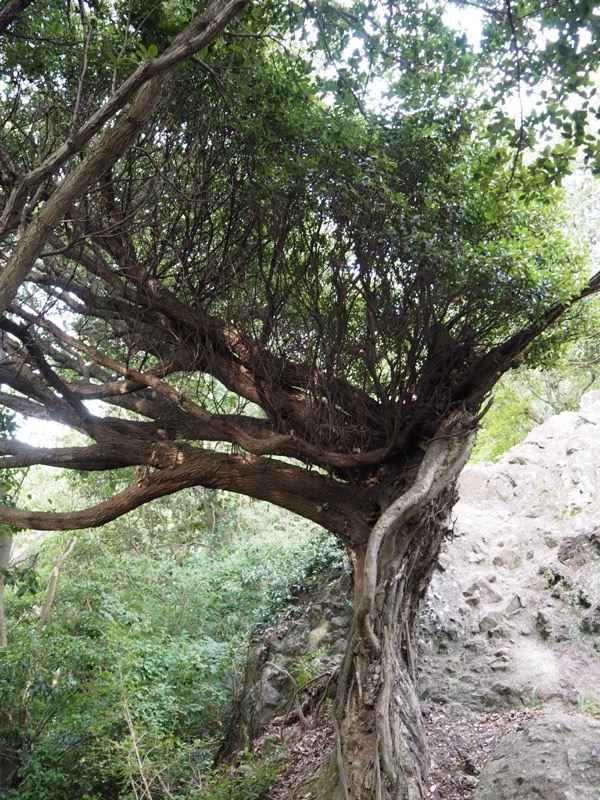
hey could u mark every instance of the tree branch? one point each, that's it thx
(53, 583)
(225, 428)
(485, 372)
(152, 78)
(311, 495)
(15, 454)
(10, 11)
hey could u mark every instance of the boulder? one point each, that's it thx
(554, 757)
(580, 548)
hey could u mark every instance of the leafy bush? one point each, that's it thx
(249, 781)
(524, 400)
(132, 678)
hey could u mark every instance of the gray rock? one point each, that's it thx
(543, 622)
(492, 623)
(590, 622)
(507, 558)
(268, 693)
(475, 558)
(590, 406)
(341, 623)
(545, 569)
(514, 605)
(482, 588)
(476, 643)
(444, 562)
(551, 539)
(555, 757)
(581, 548)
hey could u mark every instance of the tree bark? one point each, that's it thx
(5, 551)
(381, 747)
(382, 743)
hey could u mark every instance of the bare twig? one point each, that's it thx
(138, 758)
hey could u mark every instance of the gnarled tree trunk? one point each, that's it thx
(381, 748)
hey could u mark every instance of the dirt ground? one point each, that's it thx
(460, 744)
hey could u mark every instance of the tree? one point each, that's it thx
(282, 292)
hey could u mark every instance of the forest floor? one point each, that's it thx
(304, 758)
(460, 744)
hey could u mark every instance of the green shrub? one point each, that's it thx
(144, 647)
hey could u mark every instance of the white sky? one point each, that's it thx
(40, 433)
(466, 20)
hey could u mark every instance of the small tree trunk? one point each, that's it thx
(5, 551)
(53, 583)
(381, 750)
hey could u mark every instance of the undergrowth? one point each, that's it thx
(128, 689)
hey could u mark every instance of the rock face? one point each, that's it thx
(300, 653)
(512, 618)
(513, 614)
(555, 757)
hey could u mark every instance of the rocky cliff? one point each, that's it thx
(518, 586)
(512, 618)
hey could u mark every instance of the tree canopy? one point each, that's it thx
(228, 236)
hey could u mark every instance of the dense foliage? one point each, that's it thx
(133, 676)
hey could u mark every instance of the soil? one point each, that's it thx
(460, 744)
